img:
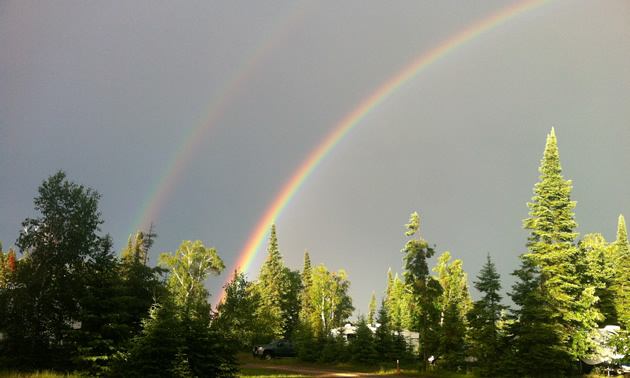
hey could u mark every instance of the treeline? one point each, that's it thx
(71, 304)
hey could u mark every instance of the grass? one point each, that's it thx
(37, 374)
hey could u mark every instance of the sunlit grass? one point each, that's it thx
(37, 374)
(254, 372)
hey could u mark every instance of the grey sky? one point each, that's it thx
(108, 90)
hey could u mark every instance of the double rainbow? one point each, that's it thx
(297, 180)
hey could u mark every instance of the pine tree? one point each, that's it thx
(600, 274)
(425, 289)
(272, 288)
(557, 261)
(307, 282)
(372, 309)
(621, 282)
(454, 304)
(484, 319)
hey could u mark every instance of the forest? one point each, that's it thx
(69, 302)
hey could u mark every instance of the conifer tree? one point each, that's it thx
(557, 260)
(600, 274)
(279, 289)
(372, 309)
(454, 303)
(484, 321)
(621, 282)
(307, 282)
(424, 287)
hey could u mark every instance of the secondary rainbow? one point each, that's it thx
(231, 88)
(288, 191)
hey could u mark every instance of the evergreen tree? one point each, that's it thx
(621, 282)
(552, 251)
(484, 318)
(425, 289)
(362, 345)
(384, 337)
(454, 305)
(536, 342)
(600, 274)
(372, 309)
(307, 282)
(279, 290)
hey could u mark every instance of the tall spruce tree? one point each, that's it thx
(425, 288)
(372, 309)
(621, 282)
(279, 289)
(556, 260)
(307, 282)
(484, 318)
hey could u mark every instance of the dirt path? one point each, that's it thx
(309, 370)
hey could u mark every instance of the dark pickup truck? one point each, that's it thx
(275, 349)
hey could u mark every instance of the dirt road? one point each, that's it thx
(309, 370)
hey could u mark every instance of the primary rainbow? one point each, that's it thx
(259, 234)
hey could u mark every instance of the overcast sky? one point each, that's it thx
(228, 98)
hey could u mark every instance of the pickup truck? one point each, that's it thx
(276, 349)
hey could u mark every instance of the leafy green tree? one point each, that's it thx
(425, 288)
(235, 314)
(189, 268)
(331, 306)
(552, 251)
(42, 307)
(372, 309)
(484, 321)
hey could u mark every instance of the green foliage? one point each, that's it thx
(177, 339)
(384, 337)
(372, 309)
(425, 288)
(484, 318)
(43, 301)
(279, 290)
(620, 250)
(362, 345)
(536, 339)
(235, 314)
(333, 349)
(560, 264)
(189, 268)
(330, 303)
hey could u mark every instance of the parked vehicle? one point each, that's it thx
(276, 349)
